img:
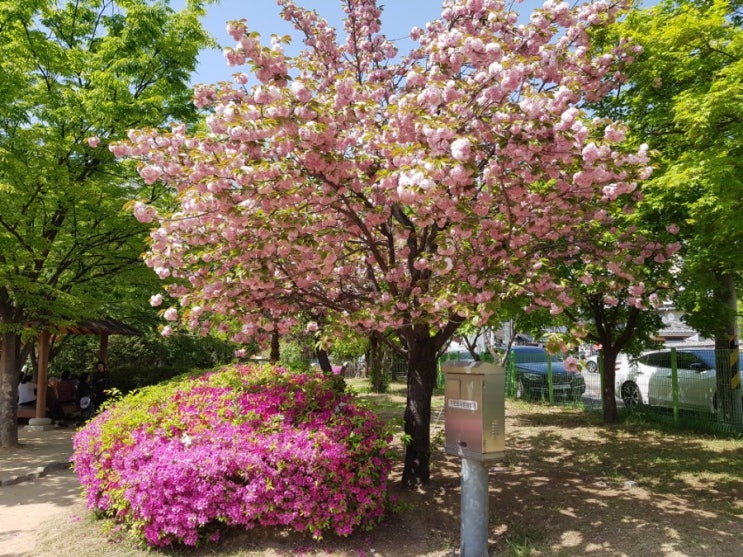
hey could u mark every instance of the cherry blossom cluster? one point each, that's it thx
(388, 190)
(243, 446)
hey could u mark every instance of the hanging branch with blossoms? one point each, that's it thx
(389, 193)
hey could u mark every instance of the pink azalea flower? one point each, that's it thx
(246, 446)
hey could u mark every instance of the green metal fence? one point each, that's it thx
(684, 385)
(697, 387)
(545, 386)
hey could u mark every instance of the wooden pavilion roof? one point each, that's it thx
(100, 327)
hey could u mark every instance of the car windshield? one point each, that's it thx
(533, 355)
(707, 356)
(686, 359)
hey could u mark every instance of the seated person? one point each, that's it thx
(66, 391)
(54, 408)
(26, 391)
(85, 399)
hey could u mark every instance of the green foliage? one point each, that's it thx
(684, 98)
(298, 350)
(349, 347)
(81, 70)
(132, 378)
(135, 362)
(295, 356)
(76, 76)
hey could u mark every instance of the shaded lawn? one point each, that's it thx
(560, 491)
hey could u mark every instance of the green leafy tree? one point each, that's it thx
(615, 327)
(77, 75)
(79, 353)
(684, 97)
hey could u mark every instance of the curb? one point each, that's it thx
(38, 473)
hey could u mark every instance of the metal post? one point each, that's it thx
(511, 373)
(475, 515)
(600, 360)
(675, 386)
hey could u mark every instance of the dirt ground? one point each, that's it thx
(562, 490)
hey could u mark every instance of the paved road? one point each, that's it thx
(27, 506)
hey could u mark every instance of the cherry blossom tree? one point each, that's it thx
(387, 193)
(616, 302)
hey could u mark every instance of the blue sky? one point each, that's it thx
(398, 17)
(263, 16)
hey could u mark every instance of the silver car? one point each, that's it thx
(647, 380)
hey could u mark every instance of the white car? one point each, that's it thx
(647, 380)
(592, 363)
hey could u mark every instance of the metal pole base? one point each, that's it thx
(475, 514)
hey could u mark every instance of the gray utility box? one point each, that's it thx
(475, 408)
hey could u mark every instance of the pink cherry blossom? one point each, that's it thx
(571, 364)
(615, 134)
(376, 190)
(461, 149)
(171, 314)
(144, 213)
(150, 173)
(611, 301)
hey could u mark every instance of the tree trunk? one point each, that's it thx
(374, 363)
(422, 350)
(471, 344)
(729, 408)
(612, 335)
(324, 361)
(607, 369)
(9, 391)
(275, 347)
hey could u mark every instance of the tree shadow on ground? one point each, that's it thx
(560, 491)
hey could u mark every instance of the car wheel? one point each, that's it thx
(592, 366)
(630, 394)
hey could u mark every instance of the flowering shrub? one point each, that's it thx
(242, 446)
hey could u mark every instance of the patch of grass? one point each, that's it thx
(662, 419)
(522, 541)
(732, 508)
(558, 459)
(391, 404)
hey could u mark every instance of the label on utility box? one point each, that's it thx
(470, 405)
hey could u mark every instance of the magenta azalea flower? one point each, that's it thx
(243, 446)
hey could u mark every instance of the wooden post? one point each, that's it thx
(103, 354)
(42, 378)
